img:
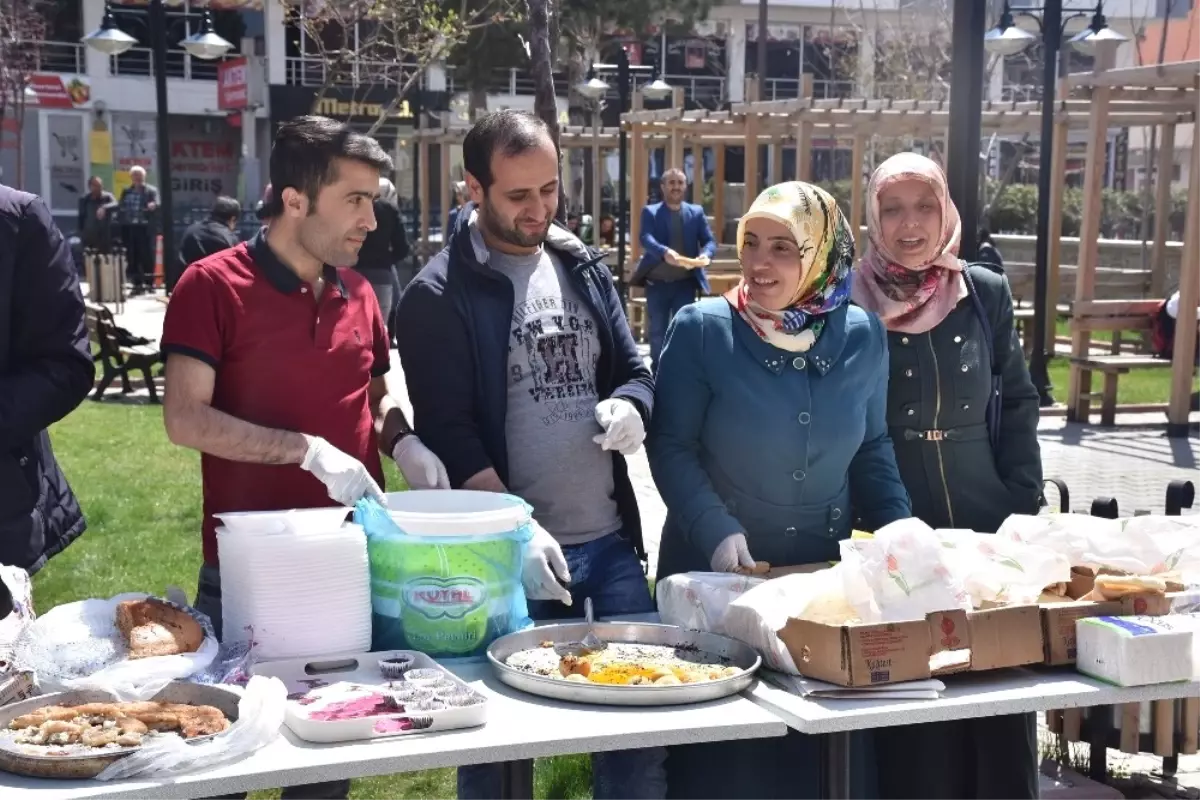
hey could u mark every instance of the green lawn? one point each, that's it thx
(141, 496)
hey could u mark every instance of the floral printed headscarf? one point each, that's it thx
(827, 253)
(910, 299)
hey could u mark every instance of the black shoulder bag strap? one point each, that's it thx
(996, 396)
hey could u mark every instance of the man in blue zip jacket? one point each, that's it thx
(524, 378)
(672, 229)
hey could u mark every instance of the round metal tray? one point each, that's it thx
(737, 653)
(18, 760)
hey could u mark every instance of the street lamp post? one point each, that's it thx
(595, 89)
(1007, 39)
(966, 109)
(111, 40)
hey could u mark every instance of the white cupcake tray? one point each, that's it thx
(327, 684)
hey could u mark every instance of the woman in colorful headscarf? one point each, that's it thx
(768, 425)
(952, 345)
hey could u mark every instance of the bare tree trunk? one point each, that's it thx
(19, 117)
(544, 102)
(477, 103)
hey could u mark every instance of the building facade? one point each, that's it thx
(89, 114)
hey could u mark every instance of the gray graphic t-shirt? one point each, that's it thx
(552, 353)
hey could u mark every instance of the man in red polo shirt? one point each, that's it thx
(277, 356)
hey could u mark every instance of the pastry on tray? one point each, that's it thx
(153, 627)
(113, 725)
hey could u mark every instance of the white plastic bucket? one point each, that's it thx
(456, 512)
(446, 571)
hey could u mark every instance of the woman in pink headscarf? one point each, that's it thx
(962, 414)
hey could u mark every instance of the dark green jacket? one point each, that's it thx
(940, 381)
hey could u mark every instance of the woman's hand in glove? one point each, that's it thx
(733, 555)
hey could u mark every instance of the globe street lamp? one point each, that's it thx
(205, 44)
(594, 89)
(1007, 39)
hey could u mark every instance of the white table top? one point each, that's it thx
(1013, 691)
(519, 726)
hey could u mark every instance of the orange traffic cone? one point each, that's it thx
(159, 276)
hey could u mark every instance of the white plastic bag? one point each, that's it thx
(1000, 571)
(699, 600)
(16, 580)
(757, 616)
(900, 574)
(260, 718)
(78, 646)
(1148, 545)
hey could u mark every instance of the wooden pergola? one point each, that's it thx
(1108, 93)
(1095, 102)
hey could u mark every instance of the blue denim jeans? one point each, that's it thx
(663, 302)
(608, 571)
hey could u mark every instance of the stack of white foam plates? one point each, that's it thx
(295, 583)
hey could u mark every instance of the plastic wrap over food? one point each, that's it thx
(1150, 545)
(758, 615)
(78, 646)
(999, 571)
(700, 600)
(260, 719)
(16, 580)
(902, 573)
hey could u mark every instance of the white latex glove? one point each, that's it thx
(624, 430)
(544, 569)
(343, 475)
(731, 554)
(419, 466)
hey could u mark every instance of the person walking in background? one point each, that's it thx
(139, 207)
(97, 212)
(212, 235)
(45, 372)
(963, 416)
(382, 251)
(460, 199)
(670, 230)
(989, 254)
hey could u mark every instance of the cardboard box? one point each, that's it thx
(1058, 619)
(1058, 626)
(16, 686)
(799, 569)
(944, 642)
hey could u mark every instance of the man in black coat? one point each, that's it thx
(45, 372)
(212, 235)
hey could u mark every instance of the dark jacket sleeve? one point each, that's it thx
(399, 237)
(1019, 461)
(51, 369)
(189, 248)
(632, 379)
(878, 493)
(708, 244)
(439, 371)
(82, 214)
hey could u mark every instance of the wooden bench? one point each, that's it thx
(119, 352)
(1117, 317)
(1112, 367)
